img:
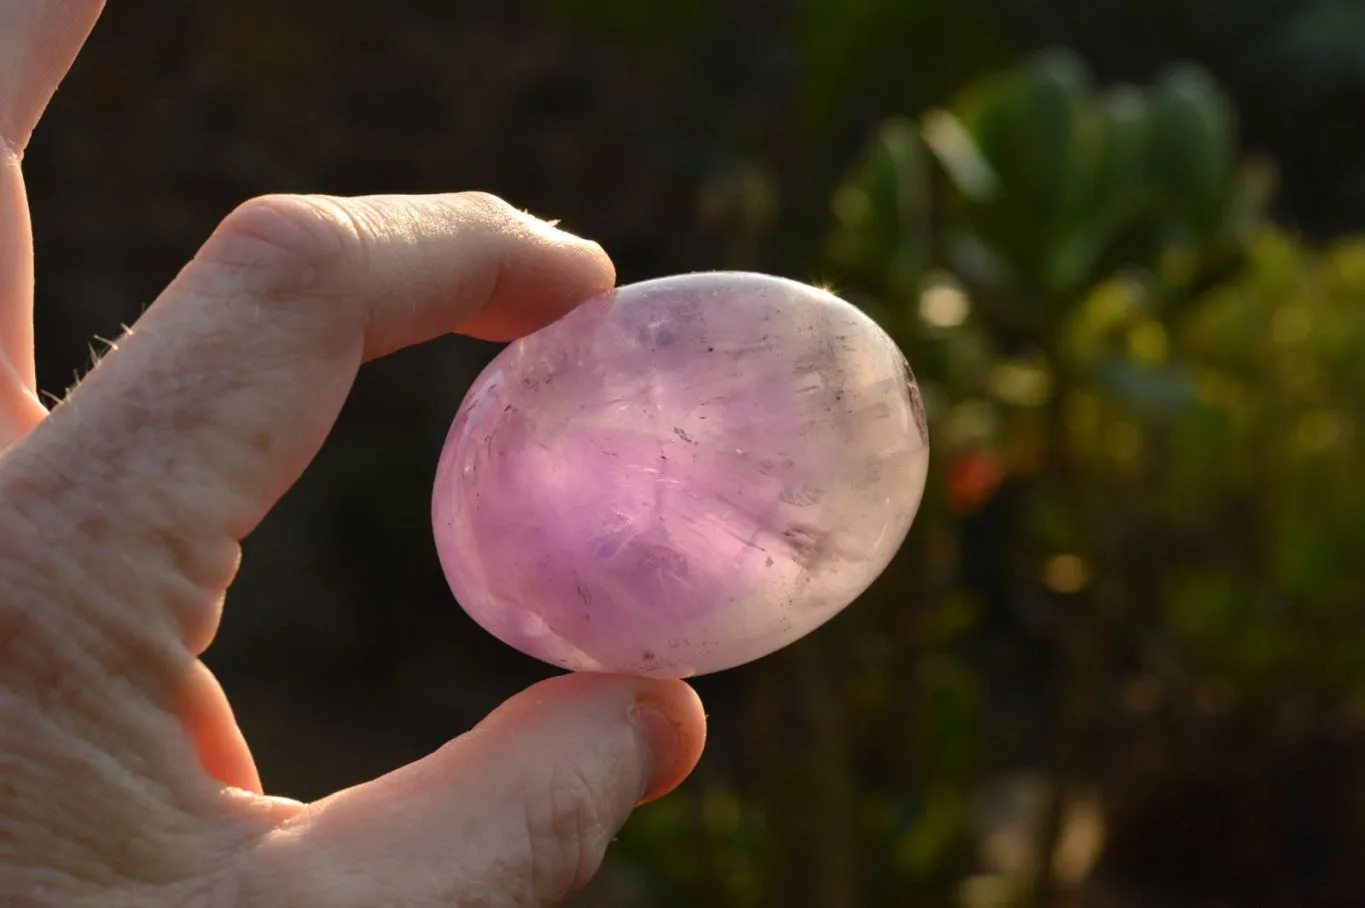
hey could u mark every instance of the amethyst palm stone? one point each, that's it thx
(680, 475)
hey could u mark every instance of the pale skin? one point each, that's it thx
(124, 779)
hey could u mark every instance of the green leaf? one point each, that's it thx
(1127, 118)
(1193, 145)
(881, 210)
(1040, 135)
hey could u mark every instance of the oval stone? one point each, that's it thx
(681, 475)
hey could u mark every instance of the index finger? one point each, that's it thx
(144, 480)
(38, 41)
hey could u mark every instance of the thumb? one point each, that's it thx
(517, 812)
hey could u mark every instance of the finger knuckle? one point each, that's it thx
(283, 243)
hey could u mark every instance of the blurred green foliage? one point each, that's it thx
(857, 48)
(1168, 387)
(1133, 584)
(1297, 64)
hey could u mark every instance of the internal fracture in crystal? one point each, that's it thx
(681, 475)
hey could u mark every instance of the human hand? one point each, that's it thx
(124, 779)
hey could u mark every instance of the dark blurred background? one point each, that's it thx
(1119, 663)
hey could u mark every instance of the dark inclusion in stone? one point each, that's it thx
(702, 468)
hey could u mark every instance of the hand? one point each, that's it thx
(124, 779)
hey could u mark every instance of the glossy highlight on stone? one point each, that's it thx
(681, 475)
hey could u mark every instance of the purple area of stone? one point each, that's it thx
(680, 476)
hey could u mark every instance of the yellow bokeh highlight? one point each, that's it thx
(1066, 574)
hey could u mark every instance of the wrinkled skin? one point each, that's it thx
(124, 779)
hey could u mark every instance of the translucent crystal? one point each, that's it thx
(681, 475)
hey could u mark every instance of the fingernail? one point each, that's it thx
(665, 749)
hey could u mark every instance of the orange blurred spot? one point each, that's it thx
(973, 479)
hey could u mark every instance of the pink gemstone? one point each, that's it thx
(681, 475)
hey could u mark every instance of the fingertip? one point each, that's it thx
(539, 281)
(665, 714)
(524, 806)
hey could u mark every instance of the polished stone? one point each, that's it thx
(681, 475)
